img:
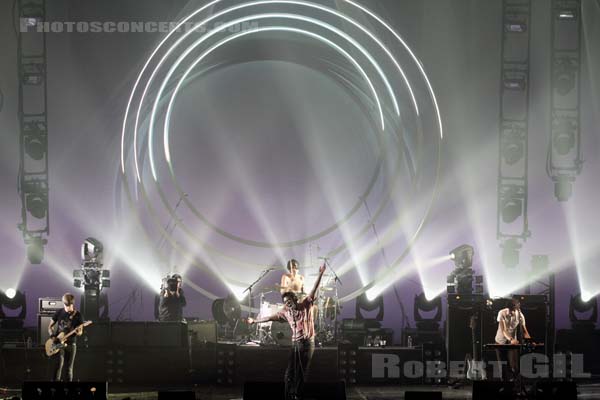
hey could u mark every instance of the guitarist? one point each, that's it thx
(65, 321)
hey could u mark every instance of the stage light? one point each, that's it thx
(31, 21)
(10, 293)
(33, 74)
(363, 303)
(478, 284)
(565, 70)
(514, 81)
(512, 149)
(566, 14)
(35, 249)
(515, 27)
(92, 277)
(32, 10)
(461, 279)
(510, 253)
(423, 305)
(563, 187)
(462, 256)
(226, 311)
(35, 139)
(12, 300)
(579, 305)
(511, 201)
(563, 135)
(92, 252)
(511, 210)
(36, 197)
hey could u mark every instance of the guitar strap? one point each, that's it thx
(519, 332)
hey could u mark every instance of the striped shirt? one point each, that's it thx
(301, 320)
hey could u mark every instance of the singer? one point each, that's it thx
(300, 316)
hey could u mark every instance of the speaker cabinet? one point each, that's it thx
(64, 390)
(202, 332)
(128, 334)
(96, 335)
(49, 305)
(43, 323)
(166, 334)
(459, 336)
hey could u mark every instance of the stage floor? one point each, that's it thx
(206, 392)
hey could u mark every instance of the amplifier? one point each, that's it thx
(49, 305)
(202, 332)
(43, 323)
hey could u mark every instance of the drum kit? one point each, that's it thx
(326, 313)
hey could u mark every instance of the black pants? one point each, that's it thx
(67, 353)
(511, 357)
(298, 368)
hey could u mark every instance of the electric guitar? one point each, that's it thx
(54, 345)
(476, 370)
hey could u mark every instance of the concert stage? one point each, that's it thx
(219, 371)
(224, 197)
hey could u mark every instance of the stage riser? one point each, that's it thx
(153, 366)
(265, 365)
(158, 366)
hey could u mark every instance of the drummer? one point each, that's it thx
(292, 281)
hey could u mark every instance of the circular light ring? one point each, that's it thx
(314, 237)
(167, 119)
(380, 21)
(307, 4)
(189, 232)
(263, 244)
(223, 13)
(203, 23)
(210, 249)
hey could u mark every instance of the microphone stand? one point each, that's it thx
(249, 289)
(336, 279)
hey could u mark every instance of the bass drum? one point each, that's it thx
(267, 309)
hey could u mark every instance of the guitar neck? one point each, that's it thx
(74, 330)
